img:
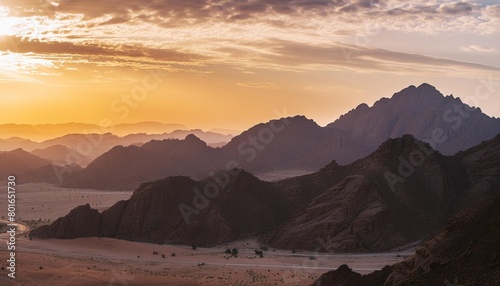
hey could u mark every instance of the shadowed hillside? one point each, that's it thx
(403, 192)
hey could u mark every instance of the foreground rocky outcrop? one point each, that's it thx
(181, 210)
(466, 252)
(402, 193)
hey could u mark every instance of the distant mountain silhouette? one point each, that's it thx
(422, 112)
(14, 143)
(29, 168)
(82, 149)
(19, 161)
(56, 154)
(40, 132)
(299, 144)
(128, 167)
(399, 194)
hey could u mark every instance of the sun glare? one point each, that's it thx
(6, 23)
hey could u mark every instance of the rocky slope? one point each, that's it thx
(367, 210)
(464, 253)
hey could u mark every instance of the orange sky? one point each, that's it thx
(231, 64)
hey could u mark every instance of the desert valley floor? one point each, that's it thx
(104, 261)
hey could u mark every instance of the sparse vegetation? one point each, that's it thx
(260, 253)
(228, 251)
(234, 252)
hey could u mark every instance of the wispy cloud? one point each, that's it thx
(477, 48)
(22, 45)
(306, 34)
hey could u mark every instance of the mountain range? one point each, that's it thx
(43, 132)
(82, 149)
(297, 143)
(403, 192)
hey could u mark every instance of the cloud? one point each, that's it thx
(114, 21)
(394, 14)
(360, 59)
(457, 8)
(27, 8)
(22, 45)
(493, 11)
(359, 5)
(476, 48)
(291, 34)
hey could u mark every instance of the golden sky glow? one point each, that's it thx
(231, 64)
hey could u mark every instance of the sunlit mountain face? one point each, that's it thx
(229, 64)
